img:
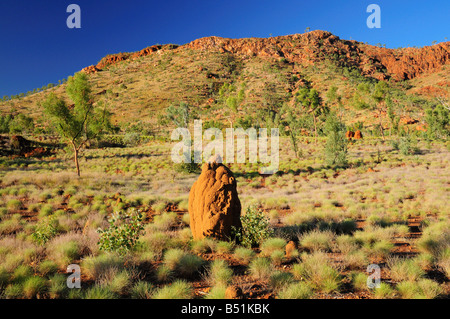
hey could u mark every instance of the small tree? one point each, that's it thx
(393, 118)
(336, 146)
(292, 123)
(438, 120)
(179, 115)
(312, 102)
(379, 94)
(21, 124)
(81, 123)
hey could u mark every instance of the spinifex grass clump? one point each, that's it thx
(123, 231)
(244, 255)
(219, 274)
(319, 272)
(177, 290)
(404, 269)
(179, 262)
(298, 290)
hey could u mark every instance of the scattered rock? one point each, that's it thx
(358, 135)
(290, 247)
(408, 120)
(349, 135)
(233, 292)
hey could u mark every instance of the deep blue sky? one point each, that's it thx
(37, 48)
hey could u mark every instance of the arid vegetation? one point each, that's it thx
(335, 206)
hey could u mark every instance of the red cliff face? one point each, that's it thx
(314, 47)
(401, 64)
(116, 58)
(408, 63)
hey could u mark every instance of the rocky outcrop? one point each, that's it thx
(408, 63)
(116, 58)
(311, 47)
(307, 48)
(112, 59)
(214, 205)
(17, 145)
(90, 69)
(349, 135)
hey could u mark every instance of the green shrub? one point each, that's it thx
(45, 230)
(438, 120)
(255, 228)
(123, 231)
(131, 139)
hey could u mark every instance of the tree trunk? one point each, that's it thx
(294, 145)
(315, 130)
(75, 150)
(381, 124)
